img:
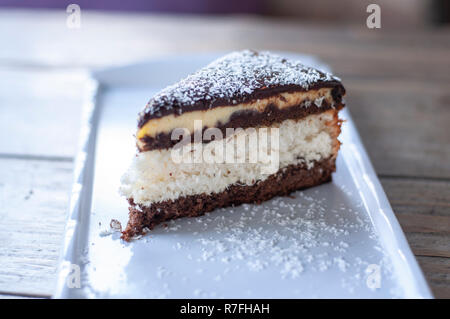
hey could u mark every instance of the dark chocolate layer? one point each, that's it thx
(284, 182)
(239, 77)
(242, 119)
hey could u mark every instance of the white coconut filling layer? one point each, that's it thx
(154, 176)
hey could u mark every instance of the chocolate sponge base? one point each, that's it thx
(285, 181)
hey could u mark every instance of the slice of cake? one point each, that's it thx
(247, 127)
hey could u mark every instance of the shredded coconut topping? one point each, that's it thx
(232, 79)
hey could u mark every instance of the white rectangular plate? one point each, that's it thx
(338, 240)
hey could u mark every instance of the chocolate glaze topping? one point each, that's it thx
(238, 77)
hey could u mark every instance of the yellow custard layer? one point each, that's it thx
(213, 117)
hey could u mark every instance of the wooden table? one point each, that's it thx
(398, 93)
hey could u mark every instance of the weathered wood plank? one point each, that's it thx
(34, 197)
(40, 111)
(423, 210)
(429, 244)
(406, 133)
(425, 224)
(415, 196)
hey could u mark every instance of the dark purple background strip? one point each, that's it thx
(176, 6)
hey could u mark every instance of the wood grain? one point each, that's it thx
(418, 196)
(40, 111)
(34, 196)
(425, 224)
(403, 128)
